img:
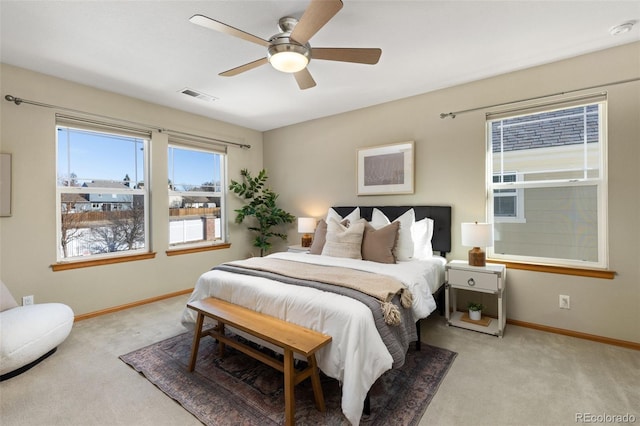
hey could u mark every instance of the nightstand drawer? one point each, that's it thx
(473, 280)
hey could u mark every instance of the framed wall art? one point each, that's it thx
(5, 184)
(386, 169)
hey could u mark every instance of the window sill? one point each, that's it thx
(63, 266)
(552, 269)
(177, 252)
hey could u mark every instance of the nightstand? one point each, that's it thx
(489, 279)
(298, 249)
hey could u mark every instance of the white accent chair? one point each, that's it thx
(29, 334)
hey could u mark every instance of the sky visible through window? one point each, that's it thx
(190, 168)
(92, 156)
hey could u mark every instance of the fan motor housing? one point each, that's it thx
(284, 43)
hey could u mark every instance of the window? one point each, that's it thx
(102, 199)
(196, 196)
(508, 203)
(547, 184)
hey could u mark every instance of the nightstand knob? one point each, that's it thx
(471, 282)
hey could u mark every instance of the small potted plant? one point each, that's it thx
(475, 311)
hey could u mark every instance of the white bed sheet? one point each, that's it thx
(357, 355)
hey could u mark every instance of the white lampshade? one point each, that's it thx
(306, 225)
(477, 234)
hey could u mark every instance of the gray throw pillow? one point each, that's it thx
(319, 238)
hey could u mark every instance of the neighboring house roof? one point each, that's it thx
(74, 198)
(543, 130)
(105, 184)
(190, 199)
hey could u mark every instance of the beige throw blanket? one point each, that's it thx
(381, 287)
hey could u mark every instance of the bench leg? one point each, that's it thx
(289, 385)
(220, 329)
(366, 410)
(315, 381)
(196, 342)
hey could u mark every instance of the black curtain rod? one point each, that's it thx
(19, 101)
(455, 113)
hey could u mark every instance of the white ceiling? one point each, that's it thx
(149, 49)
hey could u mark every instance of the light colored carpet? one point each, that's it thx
(527, 378)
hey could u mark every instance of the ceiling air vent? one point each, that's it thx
(198, 95)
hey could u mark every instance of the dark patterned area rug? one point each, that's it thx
(237, 390)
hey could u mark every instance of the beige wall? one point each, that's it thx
(28, 237)
(313, 166)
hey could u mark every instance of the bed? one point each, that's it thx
(362, 348)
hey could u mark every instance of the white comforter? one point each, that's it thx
(356, 356)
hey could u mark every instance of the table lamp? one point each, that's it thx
(477, 235)
(306, 226)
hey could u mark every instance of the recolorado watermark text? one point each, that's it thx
(605, 418)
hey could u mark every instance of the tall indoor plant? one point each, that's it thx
(261, 204)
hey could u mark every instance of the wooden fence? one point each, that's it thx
(195, 211)
(100, 216)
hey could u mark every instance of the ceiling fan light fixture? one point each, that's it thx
(289, 50)
(288, 57)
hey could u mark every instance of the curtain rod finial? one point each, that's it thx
(13, 99)
(448, 114)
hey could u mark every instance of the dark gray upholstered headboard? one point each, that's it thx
(441, 216)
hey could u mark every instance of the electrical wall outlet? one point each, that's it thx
(565, 302)
(27, 300)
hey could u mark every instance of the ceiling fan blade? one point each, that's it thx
(304, 79)
(243, 68)
(212, 24)
(315, 17)
(358, 55)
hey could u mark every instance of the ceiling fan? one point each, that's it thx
(289, 51)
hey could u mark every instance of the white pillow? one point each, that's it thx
(422, 232)
(351, 217)
(6, 299)
(343, 241)
(404, 245)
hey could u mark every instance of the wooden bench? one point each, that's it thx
(288, 336)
